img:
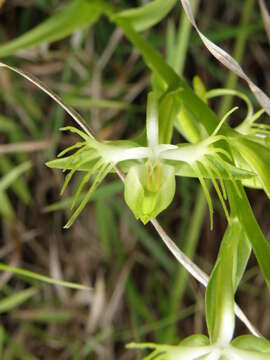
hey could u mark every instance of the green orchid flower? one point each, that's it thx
(197, 347)
(151, 169)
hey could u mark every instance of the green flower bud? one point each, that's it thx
(149, 189)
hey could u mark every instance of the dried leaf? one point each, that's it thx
(227, 60)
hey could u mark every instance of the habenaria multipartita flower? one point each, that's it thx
(151, 169)
(198, 347)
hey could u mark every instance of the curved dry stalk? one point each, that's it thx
(73, 113)
(227, 60)
(197, 273)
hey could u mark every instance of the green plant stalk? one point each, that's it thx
(182, 41)
(238, 53)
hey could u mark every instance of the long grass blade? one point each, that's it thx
(11, 302)
(17, 171)
(35, 276)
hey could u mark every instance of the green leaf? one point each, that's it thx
(169, 108)
(152, 58)
(186, 123)
(200, 111)
(6, 208)
(11, 302)
(221, 288)
(76, 15)
(18, 186)
(13, 175)
(146, 16)
(252, 230)
(199, 88)
(35, 276)
(243, 254)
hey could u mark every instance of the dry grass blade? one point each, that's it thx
(227, 60)
(30, 146)
(266, 17)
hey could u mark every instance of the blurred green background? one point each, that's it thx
(139, 292)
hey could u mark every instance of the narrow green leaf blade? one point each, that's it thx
(220, 290)
(13, 175)
(146, 16)
(42, 278)
(6, 209)
(253, 231)
(76, 15)
(18, 186)
(201, 112)
(11, 302)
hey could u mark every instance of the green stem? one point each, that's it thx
(182, 41)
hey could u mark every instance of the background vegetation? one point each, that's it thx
(139, 292)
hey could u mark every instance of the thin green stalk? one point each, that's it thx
(182, 41)
(238, 53)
